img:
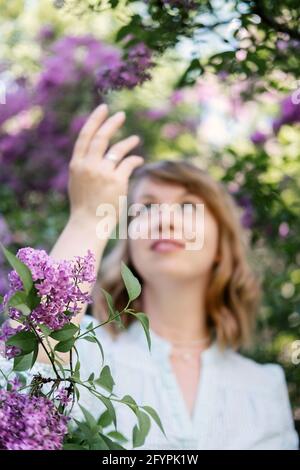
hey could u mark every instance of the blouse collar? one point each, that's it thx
(160, 345)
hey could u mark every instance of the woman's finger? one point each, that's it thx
(101, 139)
(88, 131)
(119, 150)
(128, 164)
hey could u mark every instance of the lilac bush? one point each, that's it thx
(43, 297)
(76, 74)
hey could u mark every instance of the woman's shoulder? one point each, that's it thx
(245, 371)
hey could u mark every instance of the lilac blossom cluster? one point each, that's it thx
(76, 73)
(58, 285)
(29, 422)
(129, 73)
(289, 114)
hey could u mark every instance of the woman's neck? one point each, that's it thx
(176, 310)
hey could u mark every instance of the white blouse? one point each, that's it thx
(240, 404)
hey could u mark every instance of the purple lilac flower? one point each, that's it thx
(57, 284)
(77, 123)
(155, 114)
(74, 58)
(284, 229)
(247, 218)
(30, 422)
(177, 97)
(15, 384)
(47, 33)
(17, 99)
(64, 397)
(129, 72)
(6, 332)
(289, 113)
(258, 138)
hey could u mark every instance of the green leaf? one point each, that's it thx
(129, 401)
(25, 340)
(105, 419)
(90, 328)
(19, 301)
(105, 379)
(90, 339)
(154, 416)
(111, 444)
(132, 284)
(77, 369)
(118, 436)
(88, 432)
(77, 393)
(33, 299)
(140, 432)
(60, 366)
(109, 408)
(91, 377)
(1, 299)
(89, 418)
(22, 363)
(45, 330)
(34, 355)
(20, 268)
(118, 320)
(65, 333)
(65, 346)
(74, 446)
(98, 443)
(90, 325)
(143, 318)
(110, 303)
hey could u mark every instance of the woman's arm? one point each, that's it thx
(94, 180)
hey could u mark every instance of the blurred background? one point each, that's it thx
(216, 82)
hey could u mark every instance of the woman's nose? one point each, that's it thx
(164, 219)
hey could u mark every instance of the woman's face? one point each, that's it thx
(168, 241)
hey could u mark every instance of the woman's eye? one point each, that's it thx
(188, 205)
(145, 207)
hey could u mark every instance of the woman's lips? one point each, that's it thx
(167, 245)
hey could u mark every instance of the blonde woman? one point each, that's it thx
(201, 302)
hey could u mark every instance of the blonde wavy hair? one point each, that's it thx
(233, 294)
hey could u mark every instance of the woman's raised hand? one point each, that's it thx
(93, 178)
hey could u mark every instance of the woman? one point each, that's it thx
(200, 302)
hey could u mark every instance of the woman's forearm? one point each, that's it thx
(79, 236)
